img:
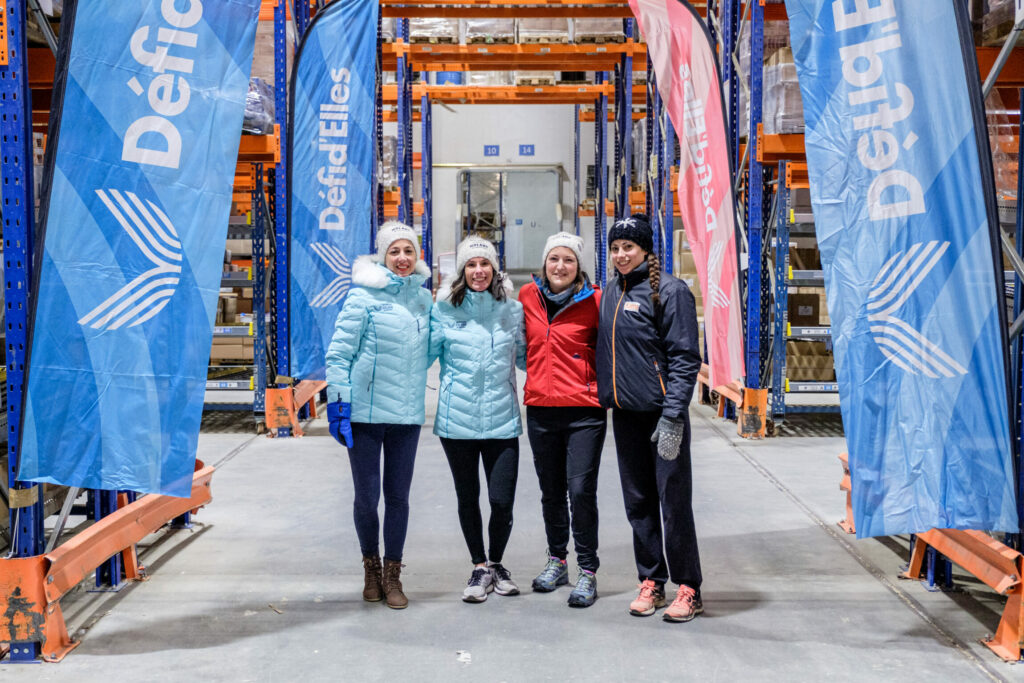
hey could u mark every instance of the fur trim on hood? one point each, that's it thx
(445, 290)
(368, 272)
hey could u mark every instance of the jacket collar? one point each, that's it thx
(586, 291)
(371, 274)
(633, 277)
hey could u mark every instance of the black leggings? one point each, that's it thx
(501, 468)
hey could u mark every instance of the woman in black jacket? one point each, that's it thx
(647, 364)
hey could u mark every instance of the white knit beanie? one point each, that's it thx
(567, 240)
(391, 232)
(474, 246)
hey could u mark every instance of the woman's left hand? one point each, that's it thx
(669, 437)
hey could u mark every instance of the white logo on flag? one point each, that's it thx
(145, 296)
(337, 262)
(902, 344)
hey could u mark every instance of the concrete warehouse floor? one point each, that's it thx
(266, 587)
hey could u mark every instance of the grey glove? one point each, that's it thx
(669, 437)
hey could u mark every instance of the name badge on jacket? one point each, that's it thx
(632, 306)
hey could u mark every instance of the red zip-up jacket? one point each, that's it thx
(560, 369)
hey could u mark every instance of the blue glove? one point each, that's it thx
(338, 415)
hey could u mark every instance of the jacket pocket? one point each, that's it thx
(661, 382)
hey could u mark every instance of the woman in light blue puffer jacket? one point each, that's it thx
(477, 332)
(376, 380)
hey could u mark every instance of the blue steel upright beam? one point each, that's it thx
(427, 176)
(781, 314)
(600, 180)
(401, 79)
(626, 119)
(649, 147)
(731, 32)
(1018, 343)
(576, 169)
(259, 282)
(16, 127)
(280, 208)
(755, 196)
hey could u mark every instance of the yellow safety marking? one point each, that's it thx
(249, 269)
(792, 216)
(791, 272)
(787, 384)
(250, 328)
(789, 329)
(252, 384)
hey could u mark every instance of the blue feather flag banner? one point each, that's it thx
(144, 140)
(330, 173)
(904, 208)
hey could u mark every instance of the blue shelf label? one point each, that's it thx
(526, 150)
(491, 150)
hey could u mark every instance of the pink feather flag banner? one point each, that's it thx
(688, 82)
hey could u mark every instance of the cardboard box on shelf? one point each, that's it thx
(804, 309)
(809, 361)
(804, 258)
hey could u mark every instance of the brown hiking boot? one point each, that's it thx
(393, 585)
(372, 590)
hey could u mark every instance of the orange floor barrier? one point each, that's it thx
(282, 405)
(845, 484)
(31, 587)
(996, 565)
(753, 418)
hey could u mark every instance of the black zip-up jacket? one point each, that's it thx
(647, 362)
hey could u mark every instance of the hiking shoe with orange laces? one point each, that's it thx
(685, 607)
(650, 598)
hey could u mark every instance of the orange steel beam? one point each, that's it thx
(996, 565)
(261, 148)
(3, 32)
(591, 116)
(796, 176)
(519, 94)
(31, 587)
(732, 391)
(503, 8)
(776, 148)
(502, 57)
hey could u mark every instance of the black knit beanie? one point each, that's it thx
(636, 229)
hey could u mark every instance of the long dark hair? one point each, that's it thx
(460, 286)
(654, 275)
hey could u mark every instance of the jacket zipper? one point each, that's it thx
(615, 319)
(373, 370)
(657, 371)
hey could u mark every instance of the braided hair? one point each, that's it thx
(654, 275)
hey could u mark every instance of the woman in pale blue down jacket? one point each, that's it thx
(477, 332)
(376, 380)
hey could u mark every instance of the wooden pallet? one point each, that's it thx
(599, 40)
(535, 81)
(490, 40)
(435, 40)
(544, 40)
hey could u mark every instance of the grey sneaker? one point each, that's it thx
(585, 592)
(480, 584)
(555, 574)
(502, 578)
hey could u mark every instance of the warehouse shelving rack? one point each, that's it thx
(613, 64)
(121, 519)
(1000, 565)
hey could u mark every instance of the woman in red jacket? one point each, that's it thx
(564, 419)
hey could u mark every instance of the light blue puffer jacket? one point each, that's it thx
(377, 360)
(479, 343)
